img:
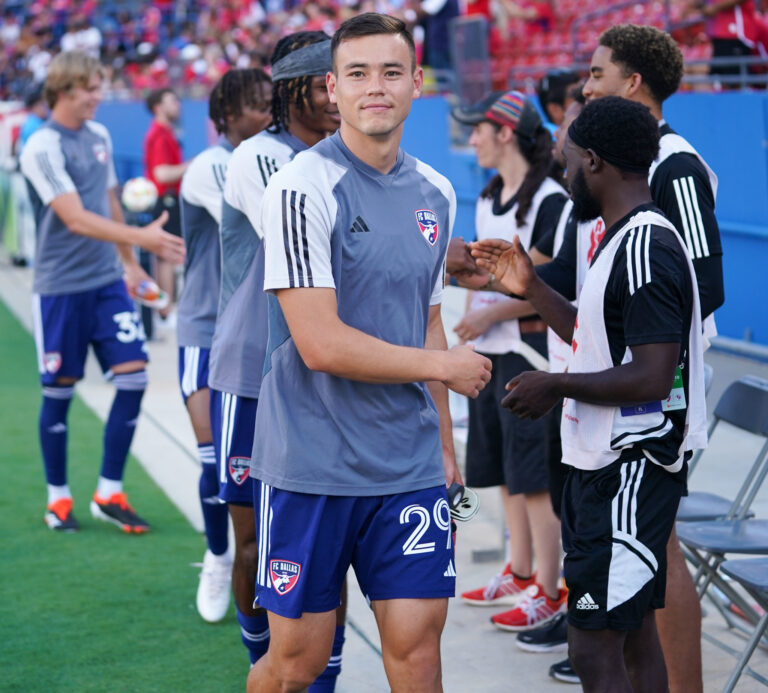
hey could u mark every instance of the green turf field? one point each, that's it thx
(98, 610)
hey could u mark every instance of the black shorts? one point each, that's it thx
(503, 449)
(616, 522)
(557, 470)
(169, 202)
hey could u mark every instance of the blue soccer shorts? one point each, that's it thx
(65, 324)
(399, 545)
(232, 423)
(193, 369)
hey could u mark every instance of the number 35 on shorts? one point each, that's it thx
(423, 517)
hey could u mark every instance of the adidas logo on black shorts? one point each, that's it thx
(587, 603)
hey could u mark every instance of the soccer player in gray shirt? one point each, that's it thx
(353, 443)
(84, 249)
(302, 115)
(239, 106)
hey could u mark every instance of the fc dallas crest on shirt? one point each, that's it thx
(284, 575)
(100, 152)
(427, 221)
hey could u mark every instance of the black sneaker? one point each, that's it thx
(118, 511)
(59, 516)
(552, 637)
(563, 671)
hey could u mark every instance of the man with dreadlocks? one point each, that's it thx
(301, 116)
(239, 108)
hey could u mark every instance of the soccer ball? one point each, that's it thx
(139, 195)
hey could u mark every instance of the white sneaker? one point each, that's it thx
(214, 588)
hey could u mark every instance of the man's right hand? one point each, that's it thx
(163, 244)
(508, 262)
(468, 371)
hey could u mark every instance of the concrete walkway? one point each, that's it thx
(476, 657)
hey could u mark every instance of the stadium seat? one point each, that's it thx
(752, 575)
(744, 405)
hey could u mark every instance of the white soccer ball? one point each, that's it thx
(139, 194)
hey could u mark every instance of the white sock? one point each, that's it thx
(56, 493)
(107, 487)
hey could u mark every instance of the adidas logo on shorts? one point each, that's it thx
(587, 603)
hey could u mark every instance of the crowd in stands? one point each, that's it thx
(148, 44)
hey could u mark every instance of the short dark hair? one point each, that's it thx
(624, 128)
(237, 88)
(372, 24)
(648, 51)
(576, 92)
(295, 90)
(553, 87)
(156, 96)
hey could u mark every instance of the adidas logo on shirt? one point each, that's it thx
(359, 226)
(586, 603)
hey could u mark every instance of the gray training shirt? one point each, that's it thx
(201, 191)
(55, 161)
(240, 339)
(379, 240)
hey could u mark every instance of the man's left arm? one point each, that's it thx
(436, 340)
(654, 343)
(681, 189)
(134, 274)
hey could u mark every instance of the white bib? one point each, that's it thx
(594, 435)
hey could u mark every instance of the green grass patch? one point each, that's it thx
(98, 610)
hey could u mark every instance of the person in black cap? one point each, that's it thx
(504, 450)
(554, 93)
(635, 407)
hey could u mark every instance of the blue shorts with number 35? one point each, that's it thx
(399, 545)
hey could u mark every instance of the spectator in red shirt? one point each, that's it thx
(165, 167)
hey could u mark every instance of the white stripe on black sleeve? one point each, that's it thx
(695, 231)
(683, 216)
(630, 273)
(697, 216)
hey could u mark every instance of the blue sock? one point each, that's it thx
(215, 513)
(53, 432)
(121, 423)
(326, 682)
(254, 631)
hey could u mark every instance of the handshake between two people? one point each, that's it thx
(492, 264)
(503, 266)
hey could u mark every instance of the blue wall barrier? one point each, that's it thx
(729, 130)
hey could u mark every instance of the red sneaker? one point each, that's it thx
(504, 588)
(535, 609)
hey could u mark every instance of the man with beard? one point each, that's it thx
(634, 389)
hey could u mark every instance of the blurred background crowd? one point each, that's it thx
(189, 44)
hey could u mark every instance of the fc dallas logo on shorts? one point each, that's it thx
(427, 221)
(284, 574)
(52, 360)
(239, 468)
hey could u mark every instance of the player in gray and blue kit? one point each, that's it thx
(83, 252)
(353, 444)
(239, 107)
(302, 116)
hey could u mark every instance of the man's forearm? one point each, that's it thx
(624, 385)
(167, 174)
(436, 340)
(558, 313)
